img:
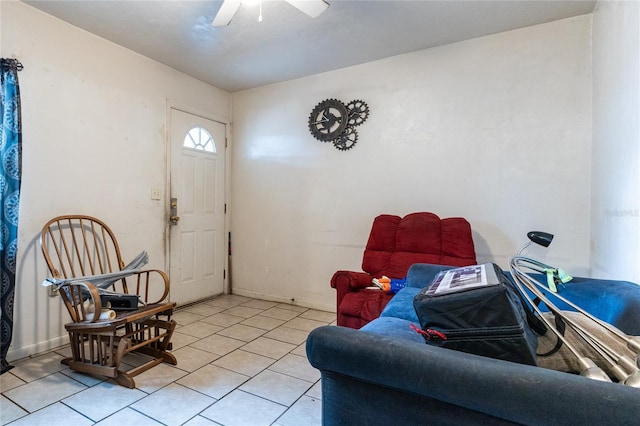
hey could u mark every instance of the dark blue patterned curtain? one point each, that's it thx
(10, 173)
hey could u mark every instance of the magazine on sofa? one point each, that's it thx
(463, 279)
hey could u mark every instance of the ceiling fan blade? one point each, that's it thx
(313, 8)
(226, 13)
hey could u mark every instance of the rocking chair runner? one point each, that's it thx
(75, 246)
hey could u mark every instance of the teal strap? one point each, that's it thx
(556, 276)
(551, 282)
(563, 276)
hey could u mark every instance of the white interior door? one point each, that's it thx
(197, 186)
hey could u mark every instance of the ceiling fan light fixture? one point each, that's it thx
(226, 13)
(312, 8)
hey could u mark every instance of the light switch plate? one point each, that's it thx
(156, 193)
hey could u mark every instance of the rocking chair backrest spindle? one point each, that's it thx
(77, 245)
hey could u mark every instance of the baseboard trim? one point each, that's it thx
(281, 299)
(36, 349)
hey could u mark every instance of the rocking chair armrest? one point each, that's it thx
(72, 297)
(143, 285)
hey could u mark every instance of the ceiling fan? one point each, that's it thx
(313, 8)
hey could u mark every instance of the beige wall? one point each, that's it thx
(495, 129)
(94, 117)
(616, 141)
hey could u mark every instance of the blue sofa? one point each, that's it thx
(385, 374)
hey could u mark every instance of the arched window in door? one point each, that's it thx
(200, 139)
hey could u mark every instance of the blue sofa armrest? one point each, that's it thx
(375, 379)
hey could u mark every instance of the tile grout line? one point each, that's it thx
(200, 317)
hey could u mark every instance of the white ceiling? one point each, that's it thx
(288, 44)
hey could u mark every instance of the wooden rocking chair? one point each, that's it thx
(76, 246)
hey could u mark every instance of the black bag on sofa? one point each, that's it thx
(477, 309)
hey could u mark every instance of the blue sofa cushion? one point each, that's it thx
(401, 306)
(396, 328)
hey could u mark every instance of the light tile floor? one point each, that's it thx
(241, 361)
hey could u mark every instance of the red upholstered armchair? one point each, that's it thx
(394, 245)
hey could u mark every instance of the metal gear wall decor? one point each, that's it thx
(347, 139)
(333, 121)
(328, 119)
(358, 112)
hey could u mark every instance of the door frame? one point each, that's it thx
(226, 283)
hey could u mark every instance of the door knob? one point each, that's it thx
(173, 212)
